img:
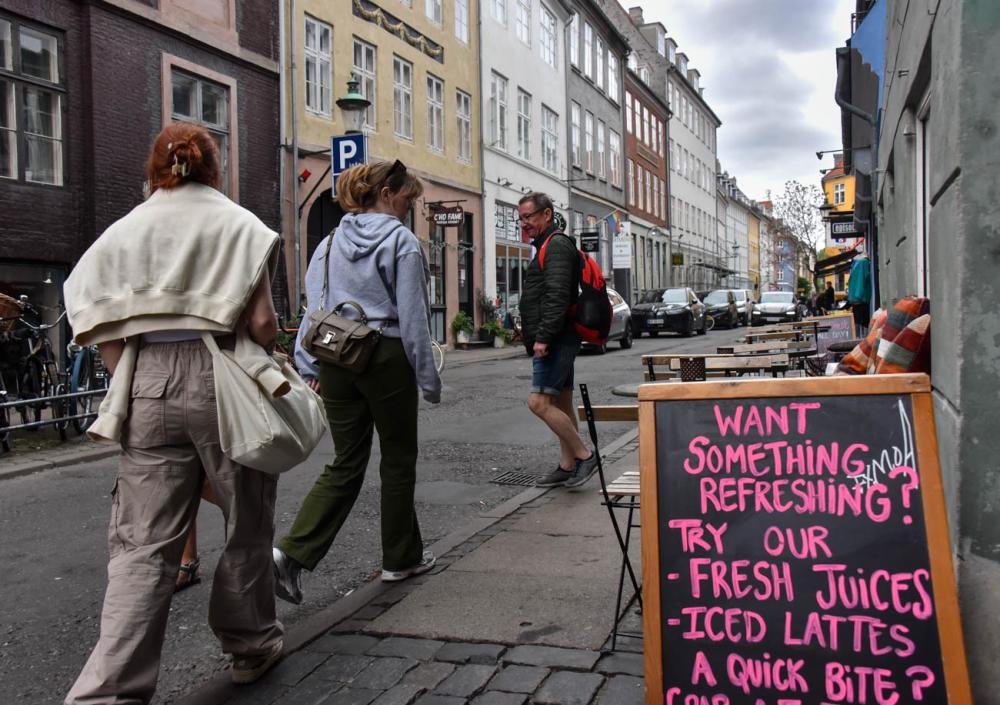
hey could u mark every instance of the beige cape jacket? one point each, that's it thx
(186, 259)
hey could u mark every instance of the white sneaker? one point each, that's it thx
(426, 563)
(247, 669)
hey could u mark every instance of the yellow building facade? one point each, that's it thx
(417, 61)
(838, 189)
(753, 264)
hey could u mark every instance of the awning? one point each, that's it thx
(836, 263)
(718, 268)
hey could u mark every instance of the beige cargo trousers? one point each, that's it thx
(169, 444)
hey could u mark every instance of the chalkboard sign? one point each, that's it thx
(795, 545)
(838, 327)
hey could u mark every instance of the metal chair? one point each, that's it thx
(622, 494)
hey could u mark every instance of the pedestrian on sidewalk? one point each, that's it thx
(374, 261)
(186, 261)
(550, 338)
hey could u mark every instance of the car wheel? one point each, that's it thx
(689, 327)
(626, 340)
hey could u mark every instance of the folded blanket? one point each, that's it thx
(898, 341)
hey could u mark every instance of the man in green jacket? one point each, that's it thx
(549, 337)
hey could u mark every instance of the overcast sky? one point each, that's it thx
(769, 73)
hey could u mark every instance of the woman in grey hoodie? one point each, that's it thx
(378, 262)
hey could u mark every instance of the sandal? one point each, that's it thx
(191, 571)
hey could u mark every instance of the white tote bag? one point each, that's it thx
(260, 431)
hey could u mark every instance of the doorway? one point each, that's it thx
(324, 216)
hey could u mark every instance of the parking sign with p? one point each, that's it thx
(347, 151)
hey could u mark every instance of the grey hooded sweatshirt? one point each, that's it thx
(378, 262)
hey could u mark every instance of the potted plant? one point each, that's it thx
(462, 326)
(495, 333)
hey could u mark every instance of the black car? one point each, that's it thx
(722, 307)
(670, 310)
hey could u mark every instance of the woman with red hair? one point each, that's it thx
(184, 262)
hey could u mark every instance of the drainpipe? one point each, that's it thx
(293, 54)
(283, 105)
(843, 86)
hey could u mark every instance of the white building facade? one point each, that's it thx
(524, 129)
(692, 151)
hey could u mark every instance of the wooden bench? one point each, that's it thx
(766, 347)
(713, 365)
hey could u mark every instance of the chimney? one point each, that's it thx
(635, 14)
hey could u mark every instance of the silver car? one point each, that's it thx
(621, 323)
(775, 307)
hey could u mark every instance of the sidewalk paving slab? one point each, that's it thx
(499, 624)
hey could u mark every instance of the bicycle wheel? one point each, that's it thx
(4, 420)
(83, 379)
(59, 408)
(709, 323)
(31, 388)
(438, 355)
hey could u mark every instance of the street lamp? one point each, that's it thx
(353, 107)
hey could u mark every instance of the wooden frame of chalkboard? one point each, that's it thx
(922, 660)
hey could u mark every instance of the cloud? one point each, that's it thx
(768, 71)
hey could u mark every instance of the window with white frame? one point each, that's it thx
(498, 112)
(319, 66)
(498, 9)
(602, 171)
(574, 40)
(402, 97)
(31, 100)
(839, 194)
(197, 100)
(574, 133)
(433, 10)
(628, 112)
(550, 140)
(462, 20)
(522, 23)
(463, 113)
(663, 199)
(435, 113)
(599, 63)
(588, 141)
(615, 157)
(523, 124)
(612, 77)
(364, 67)
(630, 175)
(547, 40)
(588, 50)
(655, 203)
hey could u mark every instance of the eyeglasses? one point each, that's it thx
(532, 214)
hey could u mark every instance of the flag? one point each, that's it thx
(614, 222)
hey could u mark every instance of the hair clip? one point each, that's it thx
(179, 168)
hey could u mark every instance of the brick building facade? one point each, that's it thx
(86, 87)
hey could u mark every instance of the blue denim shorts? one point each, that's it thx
(554, 372)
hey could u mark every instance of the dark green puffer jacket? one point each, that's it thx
(548, 293)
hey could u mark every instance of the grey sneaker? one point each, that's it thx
(247, 669)
(287, 577)
(555, 478)
(585, 469)
(427, 562)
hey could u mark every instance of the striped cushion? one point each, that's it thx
(898, 341)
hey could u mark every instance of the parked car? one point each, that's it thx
(671, 310)
(776, 306)
(621, 323)
(744, 305)
(722, 307)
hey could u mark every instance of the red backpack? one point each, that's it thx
(592, 312)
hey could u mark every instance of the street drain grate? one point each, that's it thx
(515, 478)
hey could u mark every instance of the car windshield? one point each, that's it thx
(717, 297)
(674, 296)
(651, 296)
(740, 295)
(777, 297)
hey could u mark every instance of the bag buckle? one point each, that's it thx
(331, 335)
